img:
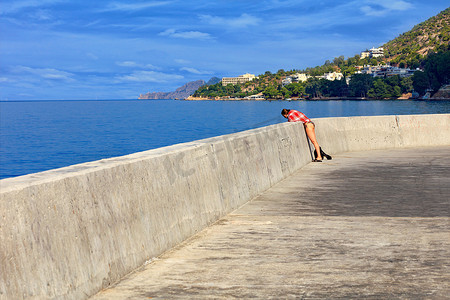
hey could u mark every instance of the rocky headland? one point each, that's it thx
(180, 93)
(442, 93)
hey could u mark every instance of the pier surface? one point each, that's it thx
(372, 225)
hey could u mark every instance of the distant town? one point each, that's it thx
(375, 71)
(298, 85)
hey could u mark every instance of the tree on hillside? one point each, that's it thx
(339, 61)
(297, 89)
(360, 84)
(393, 80)
(420, 82)
(406, 84)
(338, 88)
(379, 89)
(286, 93)
(313, 87)
(437, 68)
(272, 92)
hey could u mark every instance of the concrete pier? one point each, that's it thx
(71, 232)
(365, 225)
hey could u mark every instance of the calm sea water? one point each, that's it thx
(42, 135)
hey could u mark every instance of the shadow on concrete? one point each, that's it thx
(388, 191)
(386, 187)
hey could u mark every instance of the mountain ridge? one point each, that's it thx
(182, 92)
(409, 48)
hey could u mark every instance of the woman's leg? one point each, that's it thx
(311, 133)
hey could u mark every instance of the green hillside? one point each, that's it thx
(426, 46)
(411, 47)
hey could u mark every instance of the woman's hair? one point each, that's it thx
(285, 111)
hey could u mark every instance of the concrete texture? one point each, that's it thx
(68, 233)
(382, 132)
(366, 225)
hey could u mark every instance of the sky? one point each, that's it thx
(117, 49)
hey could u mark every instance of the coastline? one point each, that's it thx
(442, 94)
(190, 98)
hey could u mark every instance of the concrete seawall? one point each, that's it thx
(69, 232)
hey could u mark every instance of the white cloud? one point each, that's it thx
(132, 64)
(186, 34)
(394, 4)
(15, 6)
(384, 7)
(279, 4)
(348, 13)
(182, 61)
(149, 76)
(126, 64)
(92, 56)
(95, 22)
(370, 11)
(45, 73)
(244, 20)
(400, 5)
(43, 15)
(117, 6)
(195, 71)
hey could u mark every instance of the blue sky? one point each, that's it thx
(56, 49)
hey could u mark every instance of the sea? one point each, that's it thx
(40, 135)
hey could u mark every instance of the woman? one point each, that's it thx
(296, 116)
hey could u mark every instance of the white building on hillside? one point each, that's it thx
(298, 77)
(240, 79)
(386, 71)
(332, 76)
(286, 81)
(377, 52)
(373, 52)
(365, 54)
